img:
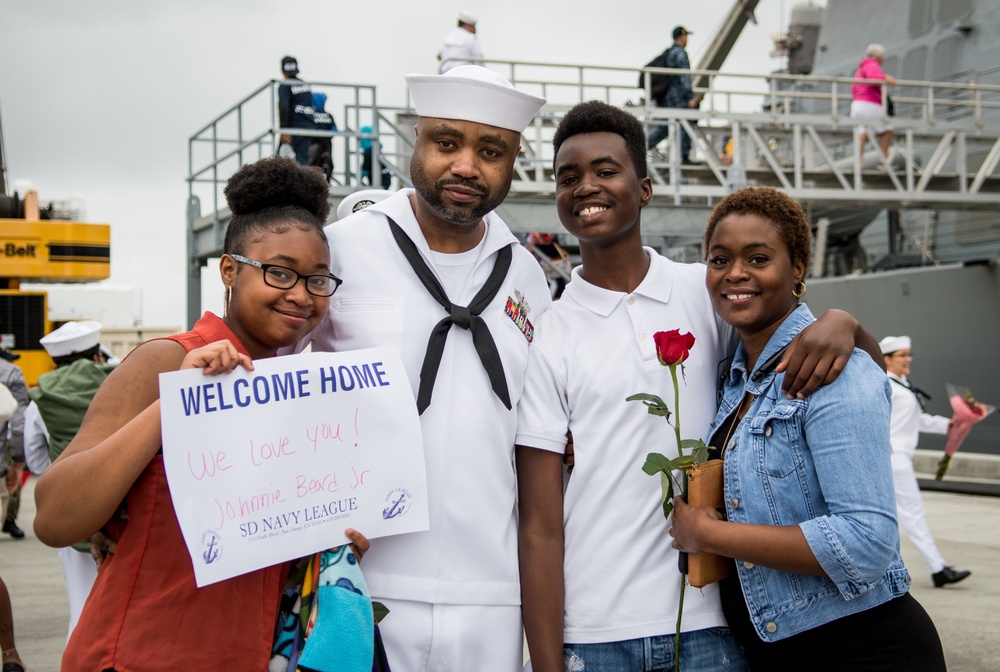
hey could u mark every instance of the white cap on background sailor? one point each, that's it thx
(473, 93)
(465, 17)
(891, 344)
(72, 338)
(359, 200)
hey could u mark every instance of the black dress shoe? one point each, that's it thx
(946, 576)
(11, 528)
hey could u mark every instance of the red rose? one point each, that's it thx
(672, 347)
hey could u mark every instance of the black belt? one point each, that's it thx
(466, 317)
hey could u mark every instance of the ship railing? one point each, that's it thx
(764, 116)
(791, 131)
(249, 130)
(727, 92)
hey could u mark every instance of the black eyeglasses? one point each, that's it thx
(281, 277)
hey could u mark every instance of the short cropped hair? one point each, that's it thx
(597, 117)
(787, 216)
(875, 51)
(66, 360)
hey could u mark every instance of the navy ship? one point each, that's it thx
(906, 241)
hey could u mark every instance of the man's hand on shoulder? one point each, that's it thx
(819, 353)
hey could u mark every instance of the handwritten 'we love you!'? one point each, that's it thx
(211, 462)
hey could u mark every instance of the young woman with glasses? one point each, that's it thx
(144, 611)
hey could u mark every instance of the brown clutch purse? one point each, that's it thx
(705, 488)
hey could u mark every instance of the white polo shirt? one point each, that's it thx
(595, 348)
(469, 556)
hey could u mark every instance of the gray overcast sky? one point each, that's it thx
(99, 98)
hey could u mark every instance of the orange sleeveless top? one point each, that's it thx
(145, 614)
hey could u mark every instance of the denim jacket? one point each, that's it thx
(821, 463)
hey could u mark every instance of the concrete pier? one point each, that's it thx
(966, 528)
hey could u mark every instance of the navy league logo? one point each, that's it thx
(211, 546)
(517, 310)
(397, 503)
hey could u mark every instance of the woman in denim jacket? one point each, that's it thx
(817, 582)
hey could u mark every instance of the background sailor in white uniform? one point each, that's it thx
(906, 422)
(460, 45)
(58, 405)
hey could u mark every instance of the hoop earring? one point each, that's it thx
(229, 300)
(799, 289)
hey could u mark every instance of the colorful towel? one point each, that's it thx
(327, 624)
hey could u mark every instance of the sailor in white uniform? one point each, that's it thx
(907, 421)
(435, 273)
(62, 397)
(461, 44)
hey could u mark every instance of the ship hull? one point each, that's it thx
(952, 313)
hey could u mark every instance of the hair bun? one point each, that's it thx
(275, 183)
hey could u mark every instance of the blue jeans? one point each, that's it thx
(710, 650)
(658, 133)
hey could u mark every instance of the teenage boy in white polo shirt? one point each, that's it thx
(599, 578)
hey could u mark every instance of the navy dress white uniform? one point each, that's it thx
(906, 423)
(453, 591)
(469, 555)
(908, 420)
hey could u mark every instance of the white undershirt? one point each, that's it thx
(454, 270)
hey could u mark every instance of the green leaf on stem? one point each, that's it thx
(659, 463)
(667, 492)
(654, 404)
(668, 504)
(699, 451)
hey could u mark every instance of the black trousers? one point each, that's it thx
(897, 636)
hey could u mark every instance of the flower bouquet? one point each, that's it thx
(966, 412)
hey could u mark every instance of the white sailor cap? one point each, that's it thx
(109, 357)
(359, 200)
(465, 17)
(473, 93)
(893, 343)
(71, 338)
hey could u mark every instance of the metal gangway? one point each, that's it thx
(793, 132)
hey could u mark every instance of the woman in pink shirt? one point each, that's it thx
(867, 98)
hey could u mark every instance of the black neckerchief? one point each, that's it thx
(466, 317)
(922, 397)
